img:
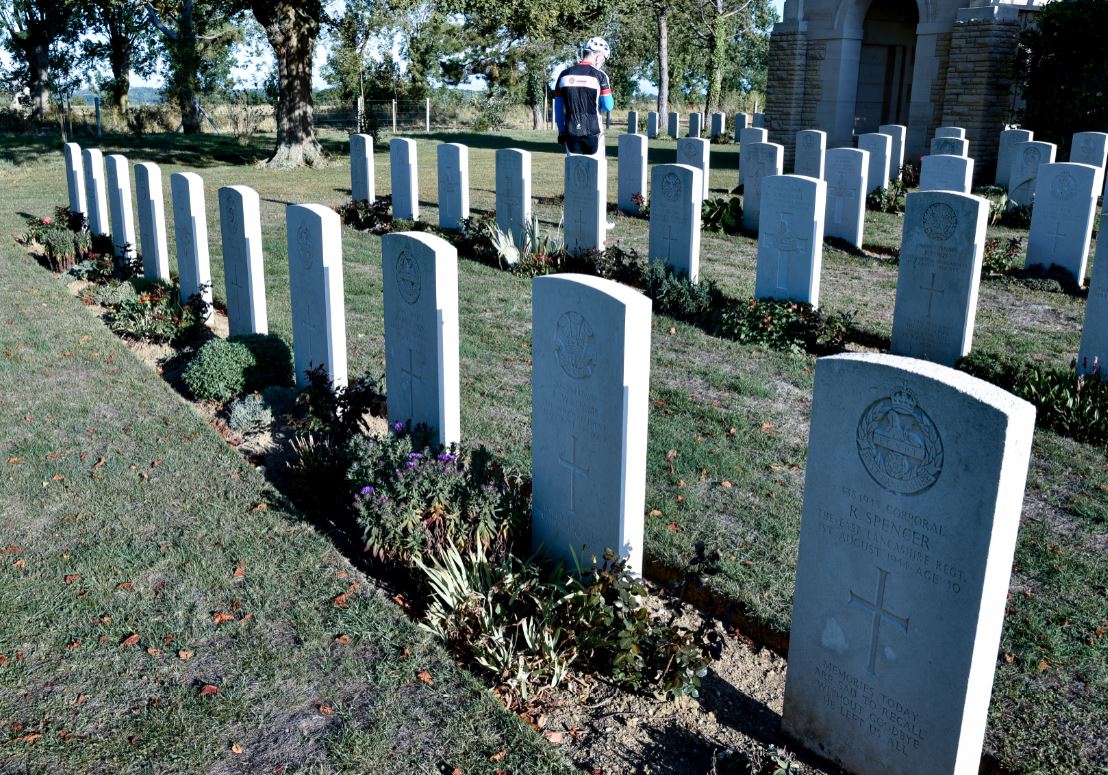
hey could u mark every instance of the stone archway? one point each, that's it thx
(886, 63)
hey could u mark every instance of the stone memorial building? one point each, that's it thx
(849, 66)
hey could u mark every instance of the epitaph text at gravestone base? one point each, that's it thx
(939, 274)
(151, 218)
(790, 238)
(912, 498)
(1062, 221)
(315, 286)
(513, 192)
(420, 277)
(190, 227)
(453, 160)
(590, 344)
(675, 218)
(631, 173)
(847, 175)
(241, 231)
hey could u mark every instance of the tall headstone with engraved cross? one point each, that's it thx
(790, 238)
(760, 160)
(96, 192)
(361, 168)
(404, 173)
(1062, 221)
(120, 209)
(696, 152)
(453, 160)
(631, 173)
(847, 175)
(75, 179)
(912, 498)
(675, 218)
(316, 290)
(190, 227)
(940, 270)
(590, 344)
(151, 218)
(513, 192)
(584, 187)
(420, 278)
(240, 227)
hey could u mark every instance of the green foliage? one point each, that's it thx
(279, 399)
(64, 237)
(785, 325)
(1002, 256)
(722, 214)
(113, 294)
(156, 314)
(909, 174)
(890, 199)
(1064, 66)
(375, 216)
(643, 203)
(1016, 216)
(490, 110)
(249, 414)
(675, 296)
(225, 368)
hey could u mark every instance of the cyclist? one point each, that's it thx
(581, 92)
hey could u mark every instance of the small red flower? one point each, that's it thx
(47, 220)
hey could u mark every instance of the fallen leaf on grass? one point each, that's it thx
(655, 513)
(12, 549)
(184, 654)
(15, 460)
(219, 617)
(71, 578)
(424, 676)
(342, 640)
(130, 640)
(236, 748)
(27, 738)
(207, 690)
(20, 563)
(674, 527)
(80, 698)
(671, 455)
(1044, 665)
(554, 737)
(342, 574)
(498, 755)
(260, 507)
(98, 464)
(728, 485)
(73, 644)
(152, 651)
(342, 600)
(768, 426)
(57, 478)
(3, 660)
(125, 585)
(239, 572)
(325, 710)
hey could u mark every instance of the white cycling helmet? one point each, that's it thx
(597, 46)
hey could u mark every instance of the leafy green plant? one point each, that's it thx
(1001, 257)
(1016, 216)
(643, 203)
(249, 414)
(785, 325)
(674, 295)
(909, 174)
(156, 313)
(225, 368)
(890, 199)
(113, 294)
(722, 214)
(998, 201)
(375, 216)
(280, 400)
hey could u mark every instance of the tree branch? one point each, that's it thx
(156, 20)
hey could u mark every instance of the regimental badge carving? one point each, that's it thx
(1032, 156)
(408, 281)
(575, 346)
(899, 445)
(689, 151)
(940, 221)
(671, 187)
(304, 246)
(811, 142)
(580, 174)
(1063, 187)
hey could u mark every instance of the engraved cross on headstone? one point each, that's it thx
(574, 471)
(668, 238)
(931, 293)
(786, 245)
(409, 372)
(450, 180)
(1055, 235)
(841, 192)
(879, 612)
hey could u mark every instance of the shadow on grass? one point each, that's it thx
(164, 148)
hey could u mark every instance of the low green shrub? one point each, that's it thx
(722, 214)
(113, 294)
(156, 314)
(909, 174)
(998, 201)
(784, 325)
(280, 400)
(1002, 256)
(249, 414)
(375, 216)
(225, 368)
(1016, 216)
(642, 201)
(890, 199)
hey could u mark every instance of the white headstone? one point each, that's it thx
(404, 170)
(674, 125)
(75, 178)
(761, 160)
(585, 203)
(631, 172)
(811, 145)
(651, 125)
(1009, 138)
(190, 227)
(696, 152)
(847, 171)
(1093, 353)
(240, 226)
(912, 499)
(759, 120)
(747, 137)
(314, 235)
(96, 193)
(1062, 221)
(949, 146)
(632, 121)
(898, 133)
(453, 160)
(742, 121)
(151, 218)
(361, 168)
(696, 124)
(946, 173)
(951, 131)
(420, 277)
(513, 192)
(880, 147)
(675, 217)
(590, 344)
(719, 124)
(790, 240)
(940, 270)
(1026, 160)
(1091, 148)
(120, 208)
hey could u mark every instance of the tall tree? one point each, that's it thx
(291, 27)
(38, 33)
(197, 36)
(121, 35)
(720, 24)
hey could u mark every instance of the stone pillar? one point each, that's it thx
(928, 87)
(785, 92)
(979, 78)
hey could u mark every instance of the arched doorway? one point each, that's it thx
(886, 63)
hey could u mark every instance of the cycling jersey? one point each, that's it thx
(580, 93)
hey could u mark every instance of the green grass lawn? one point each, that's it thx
(736, 417)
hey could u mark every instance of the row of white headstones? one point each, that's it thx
(912, 499)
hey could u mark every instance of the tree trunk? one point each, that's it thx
(663, 64)
(187, 66)
(717, 52)
(38, 62)
(291, 29)
(119, 56)
(537, 117)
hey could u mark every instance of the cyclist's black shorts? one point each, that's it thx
(586, 146)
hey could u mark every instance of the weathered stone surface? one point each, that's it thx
(1091, 148)
(120, 209)
(1093, 355)
(404, 170)
(96, 192)
(760, 161)
(1009, 138)
(190, 227)
(879, 147)
(1026, 160)
(584, 203)
(949, 146)
(675, 217)
(674, 124)
(847, 173)
(151, 217)
(633, 121)
(651, 125)
(453, 161)
(811, 147)
(790, 240)
(696, 152)
(631, 172)
(946, 173)
(899, 134)
(513, 192)
(75, 178)
(240, 226)
(361, 168)
(1062, 221)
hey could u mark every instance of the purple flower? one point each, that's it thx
(398, 427)
(410, 464)
(444, 458)
(415, 456)
(367, 490)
